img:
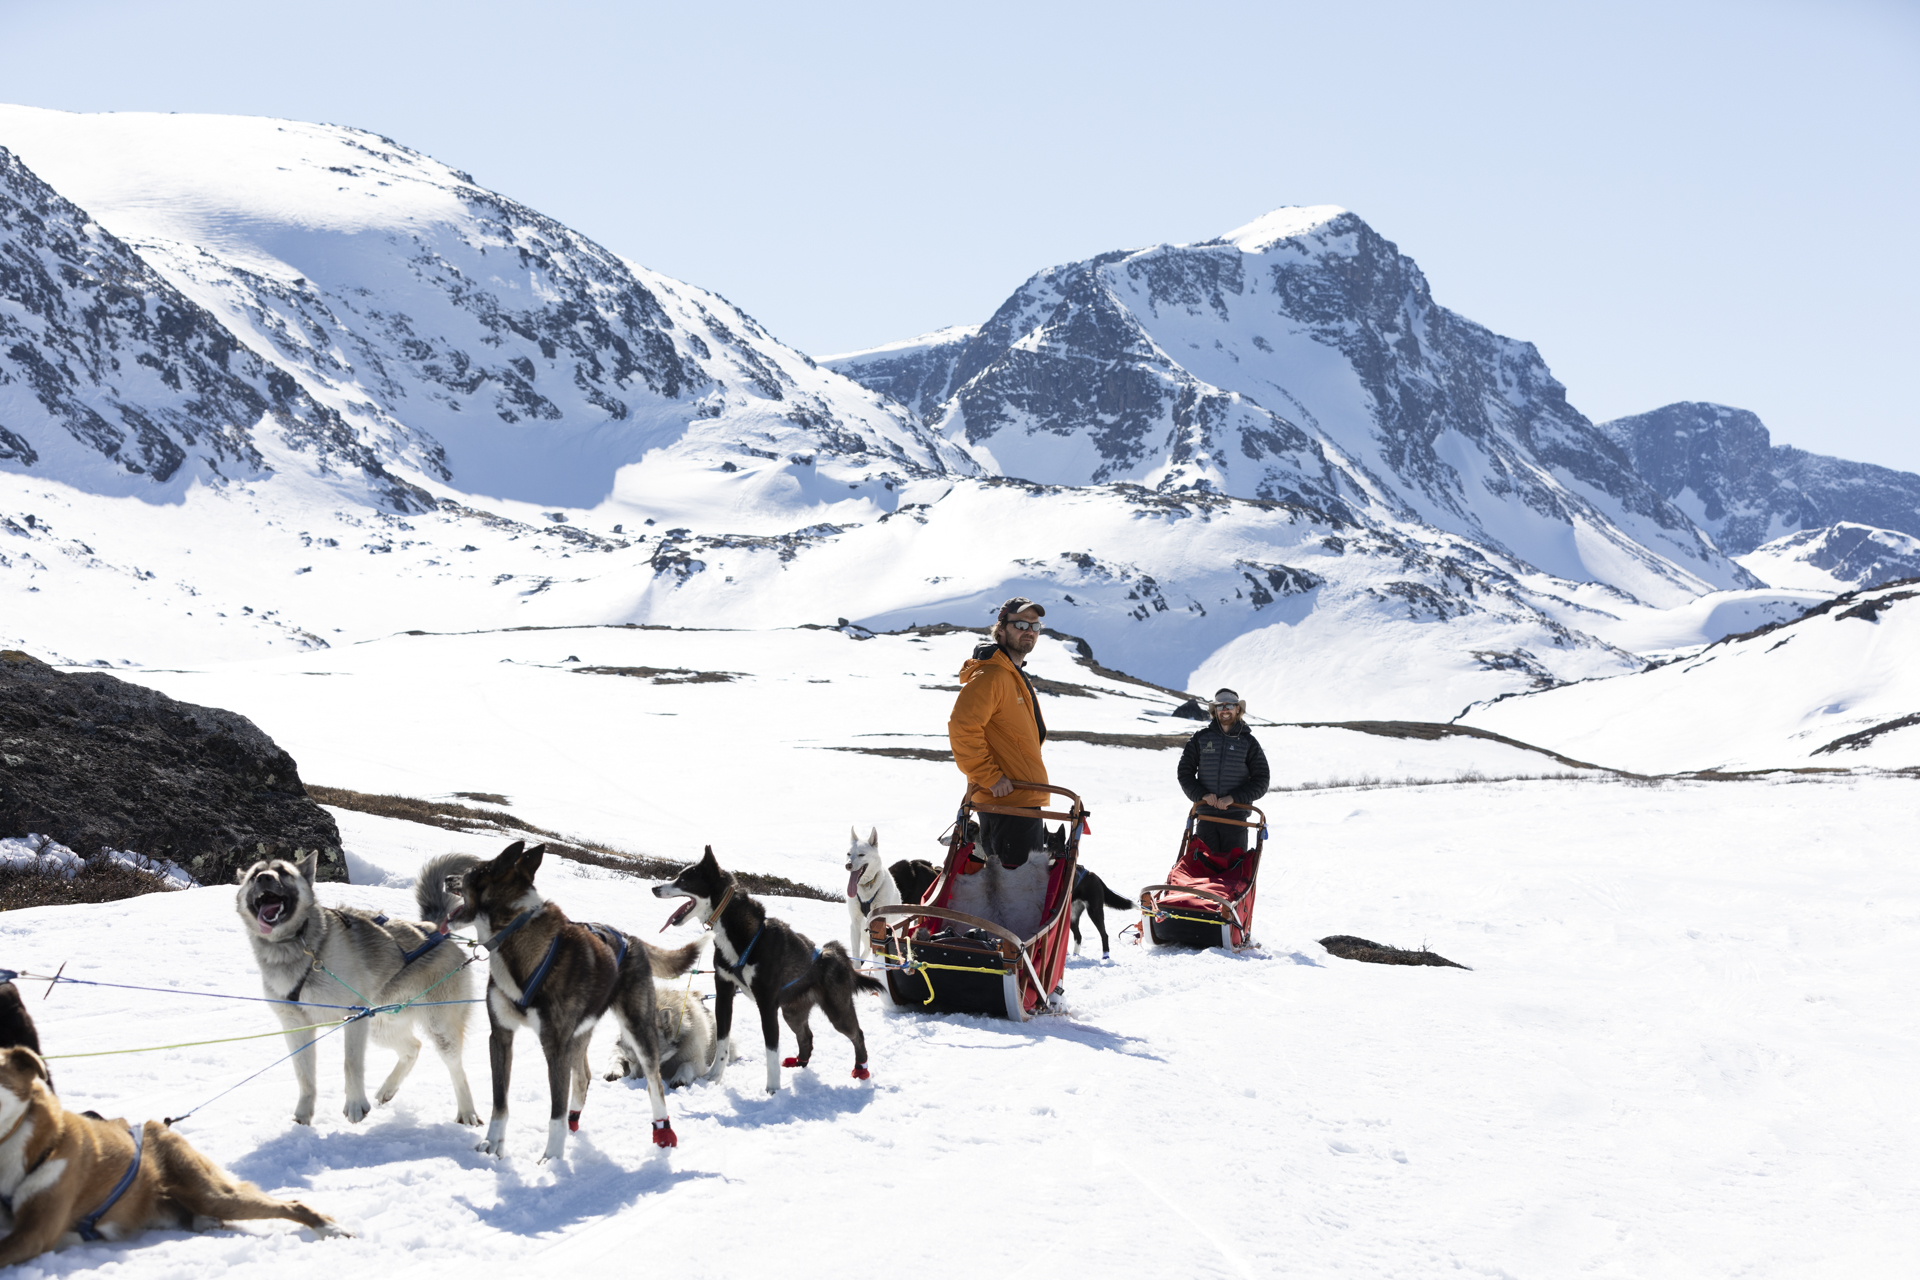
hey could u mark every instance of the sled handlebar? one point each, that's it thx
(1078, 811)
(1194, 812)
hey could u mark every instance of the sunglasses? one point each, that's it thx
(1021, 624)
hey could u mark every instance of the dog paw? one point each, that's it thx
(792, 1062)
(861, 1073)
(491, 1147)
(469, 1118)
(356, 1110)
(663, 1135)
(299, 1118)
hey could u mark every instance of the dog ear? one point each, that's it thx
(511, 853)
(873, 838)
(530, 860)
(309, 865)
(22, 1059)
(853, 834)
(708, 860)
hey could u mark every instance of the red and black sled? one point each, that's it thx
(946, 960)
(1208, 898)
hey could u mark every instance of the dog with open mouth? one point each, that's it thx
(317, 963)
(70, 1177)
(558, 978)
(782, 970)
(871, 884)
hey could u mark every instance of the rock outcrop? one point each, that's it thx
(93, 761)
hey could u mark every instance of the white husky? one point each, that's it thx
(869, 885)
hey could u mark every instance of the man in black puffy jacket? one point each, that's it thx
(1223, 764)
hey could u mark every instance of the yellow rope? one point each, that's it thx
(191, 1044)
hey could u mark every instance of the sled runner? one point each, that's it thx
(1006, 955)
(1208, 898)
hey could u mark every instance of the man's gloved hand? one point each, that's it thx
(1002, 787)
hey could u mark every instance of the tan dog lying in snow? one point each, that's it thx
(63, 1174)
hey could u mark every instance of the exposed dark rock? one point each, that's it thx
(1855, 741)
(95, 762)
(1351, 948)
(1751, 490)
(97, 346)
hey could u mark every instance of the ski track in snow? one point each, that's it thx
(1684, 1047)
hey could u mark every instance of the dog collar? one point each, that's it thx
(6, 1202)
(713, 915)
(519, 922)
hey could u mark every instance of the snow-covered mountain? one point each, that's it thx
(1836, 558)
(1721, 467)
(1300, 358)
(1835, 688)
(467, 416)
(113, 380)
(484, 345)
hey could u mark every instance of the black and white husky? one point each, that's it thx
(558, 978)
(782, 970)
(1091, 896)
(325, 960)
(872, 883)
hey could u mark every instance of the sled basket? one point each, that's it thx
(945, 960)
(1208, 898)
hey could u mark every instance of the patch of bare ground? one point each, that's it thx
(1143, 741)
(465, 818)
(900, 753)
(1351, 948)
(663, 675)
(1427, 731)
(98, 880)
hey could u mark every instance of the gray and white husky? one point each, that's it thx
(327, 959)
(685, 1035)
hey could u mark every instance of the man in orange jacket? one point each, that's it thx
(996, 730)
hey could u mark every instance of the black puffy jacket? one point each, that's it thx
(1224, 764)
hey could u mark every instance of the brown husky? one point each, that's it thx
(62, 1173)
(559, 978)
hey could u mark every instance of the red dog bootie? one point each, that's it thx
(573, 1122)
(861, 1073)
(663, 1135)
(792, 1062)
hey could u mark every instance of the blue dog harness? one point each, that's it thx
(613, 938)
(546, 962)
(738, 968)
(86, 1225)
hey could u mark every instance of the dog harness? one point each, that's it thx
(546, 962)
(86, 1225)
(738, 968)
(434, 938)
(613, 938)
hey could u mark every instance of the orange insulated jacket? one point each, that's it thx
(995, 729)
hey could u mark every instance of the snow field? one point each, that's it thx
(1683, 1050)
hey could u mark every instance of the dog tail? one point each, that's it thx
(671, 964)
(430, 892)
(1115, 900)
(834, 954)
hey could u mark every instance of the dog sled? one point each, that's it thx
(943, 959)
(1208, 898)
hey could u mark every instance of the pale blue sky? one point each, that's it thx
(1676, 200)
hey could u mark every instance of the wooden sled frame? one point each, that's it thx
(1235, 915)
(1010, 977)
